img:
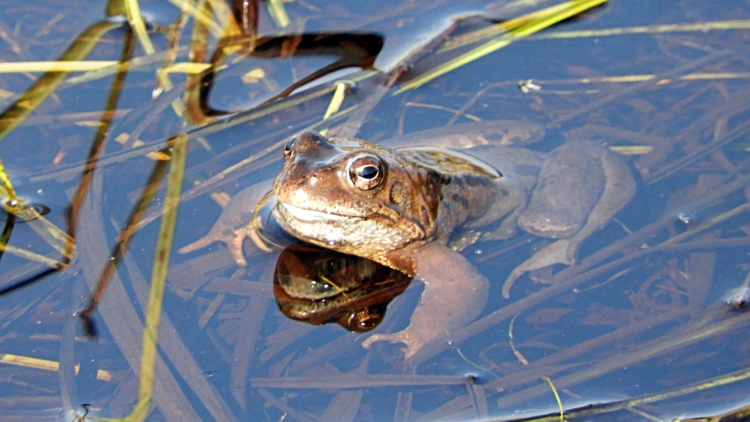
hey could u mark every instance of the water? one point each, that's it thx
(648, 318)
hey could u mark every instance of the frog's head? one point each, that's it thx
(353, 196)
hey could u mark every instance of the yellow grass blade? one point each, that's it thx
(336, 100)
(278, 13)
(543, 21)
(189, 68)
(31, 256)
(651, 29)
(189, 8)
(48, 83)
(138, 26)
(45, 365)
(158, 280)
(7, 193)
(68, 66)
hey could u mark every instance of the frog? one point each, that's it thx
(415, 206)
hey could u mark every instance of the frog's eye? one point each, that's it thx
(366, 172)
(362, 320)
(288, 147)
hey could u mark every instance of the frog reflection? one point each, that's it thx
(413, 208)
(319, 285)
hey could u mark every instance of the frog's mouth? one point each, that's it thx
(322, 228)
(311, 216)
(352, 234)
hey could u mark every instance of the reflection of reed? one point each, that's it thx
(14, 116)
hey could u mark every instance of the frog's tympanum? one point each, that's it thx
(318, 285)
(413, 208)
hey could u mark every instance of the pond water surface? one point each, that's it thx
(648, 325)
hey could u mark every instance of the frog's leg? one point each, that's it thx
(618, 190)
(554, 253)
(454, 295)
(235, 223)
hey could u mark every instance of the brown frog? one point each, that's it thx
(410, 208)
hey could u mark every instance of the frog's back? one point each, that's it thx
(475, 192)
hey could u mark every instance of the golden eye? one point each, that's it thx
(362, 320)
(366, 172)
(288, 147)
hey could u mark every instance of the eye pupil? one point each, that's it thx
(367, 172)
